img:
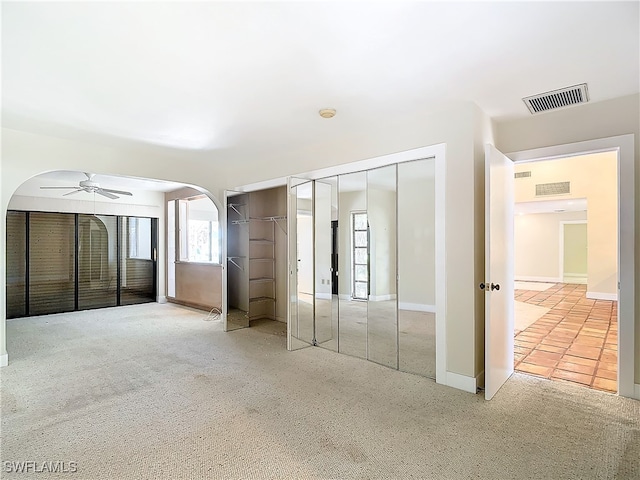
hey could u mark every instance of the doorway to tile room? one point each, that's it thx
(566, 270)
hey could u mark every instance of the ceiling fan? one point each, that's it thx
(90, 186)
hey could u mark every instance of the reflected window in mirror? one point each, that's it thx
(360, 255)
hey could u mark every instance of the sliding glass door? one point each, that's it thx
(137, 260)
(61, 262)
(16, 264)
(51, 261)
(97, 261)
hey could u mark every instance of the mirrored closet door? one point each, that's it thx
(364, 257)
(416, 267)
(325, 211)
(301, 280)
(353, 264)
(382, 319)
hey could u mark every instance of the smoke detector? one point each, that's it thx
(327, 112)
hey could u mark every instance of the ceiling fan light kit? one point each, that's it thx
(90, 186)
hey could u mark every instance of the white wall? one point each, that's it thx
(537, 245)
(610, 118)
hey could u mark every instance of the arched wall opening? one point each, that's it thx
(99, 257)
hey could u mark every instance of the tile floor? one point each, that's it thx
(575, 341)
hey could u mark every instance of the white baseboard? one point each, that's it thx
(577, 278)
(4, 360)
(161, 299)
(637, 394)
(344, 296)
(382, 298)
(323, 296)
(480, 380)
(602, 296)
(462, 382)
(416, 307)
(526, 278)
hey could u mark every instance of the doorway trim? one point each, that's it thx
(563, 223)
(624, 146)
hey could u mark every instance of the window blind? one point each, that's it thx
(51, 263)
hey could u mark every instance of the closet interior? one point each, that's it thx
(256, 257)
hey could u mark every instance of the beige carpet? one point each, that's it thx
(155, 391)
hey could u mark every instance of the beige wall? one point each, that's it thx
(594, 177)
(199, 284)
(537, 245)
(609, 118)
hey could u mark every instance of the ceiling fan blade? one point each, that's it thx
(119, 192)
(78, 190)
(100, 191)
(51, 188)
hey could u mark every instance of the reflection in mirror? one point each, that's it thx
(326, 323)
(305, 279)
(382, 327)
(353, 264)
(416, 267)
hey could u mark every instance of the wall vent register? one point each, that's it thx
(557, 188)
(563, 97)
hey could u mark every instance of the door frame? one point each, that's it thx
(563, 223)
(624, 146)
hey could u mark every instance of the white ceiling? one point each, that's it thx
(207, 76)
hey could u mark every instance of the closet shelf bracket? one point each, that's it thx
(232, 260)
(233, 207)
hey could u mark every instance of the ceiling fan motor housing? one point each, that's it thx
(89, 184)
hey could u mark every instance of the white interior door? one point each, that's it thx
(499, 270)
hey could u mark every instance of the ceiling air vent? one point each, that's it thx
(558, 188)
(523, 174)
(565, 97)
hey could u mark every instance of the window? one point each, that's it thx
(360, 255)
(140, 238)
(199, 230)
